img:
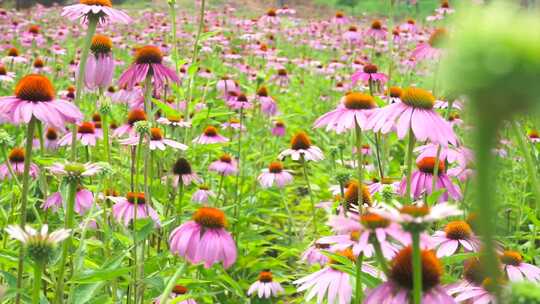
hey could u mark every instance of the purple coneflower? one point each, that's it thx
(265, 287)
(398, 288)
(183, 173)
(354, 110)
(516, 269)
(35, 97)
(414, 112)
(313, 255)
(239, 102)
(422, 181)
(6, 76)
(268, 104)
(204, 239)
(225, 165)
(279, 128)
(51, 138)
(178, 291)
(100, 64)
(275, 174)
(148, 63)
(431, 49)
(301, 147)
(369, 74)
(210, 136)
(101, 9)
(124, 208)
(86, 134)
(377, 31)
(16, 161)
(156, 141)
(456, 234)
(128, 128)
(202, 195)
(84, 199)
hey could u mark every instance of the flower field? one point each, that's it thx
(210, 152)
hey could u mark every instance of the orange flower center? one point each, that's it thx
(13, 52)
(136, 198)
(415, 211)
(226, 158)
(340, 15)
(179, 290)
(210, 131)
(427, 165)
(97, 2)
(3, 70)
(395, 92)
(370, 68)
(351, 194)
(262, 92)
(35, 88)
(280, 123)
(353, 28)
(156, 134)
(347, 253)
(86, 128)
(402, 271)
(34, 29)
(282, 72)
(16, 155)
(210, 217)
(38, 63)
(322, 246)
(148, 55)
(51, 134)
(300, 141)
(373, 221)
(359, 101)
(511, 258)
(265, 276)
(532, 133)
(376, 25)
(242, 98)
(101, 44)
(438, 38)
(271, 12)
(275, 167)
(472, 271)
(458, 230)
(418, 98)
(182, 167)
(354, 235)
(136, 115)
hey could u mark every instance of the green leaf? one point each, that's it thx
(166, 108)
(85, 292)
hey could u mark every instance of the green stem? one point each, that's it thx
(164, 298)
(92, 24)
(106, 143)
(180, 197)
(439, 148)
(311, 198)
(194, 58)
(360, 165)
(409, 163)
(24, 198)
(529, 163)
(379, 254)
(38, 271)
(148, 97)
(359, 293)
(237, 189)
(10, 168)
(417, 268)
(66, 246)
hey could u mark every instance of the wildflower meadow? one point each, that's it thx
(250, 151)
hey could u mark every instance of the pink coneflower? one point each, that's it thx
(101, 9)
(75, 169)
(275, 175)
(377, 30)
(352, 35)
(460, 155)
(369, 73)
(210, 136)
(86, 134)
(265, 287)
(354, 110)
(268, 104)
(313, 255)
(392, 95)
(148, 63)
(16, 161)
(183, 173)
(204, 239)
(516, 269)
(398, 288)
(174, 122)
(100, 64)
(84, 200)
(417, 213)
(270, 18)
(128, 128)
(234, 124)
(475, 294)
(414, 112)
(456, 234)
(445, 8)
(226, 85)
(6, 76)
(178, 291)
(422, 181)
(124, 208)
(13, 56)
(202, 195)
(301, 147)
(340, 19)
(35, 97)
(156, 140)
(331, 283)
(225, 165)
(51, 138)
(281, 78)
(431, 49)
(279, 128)
(239, 102)
(285, 10)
